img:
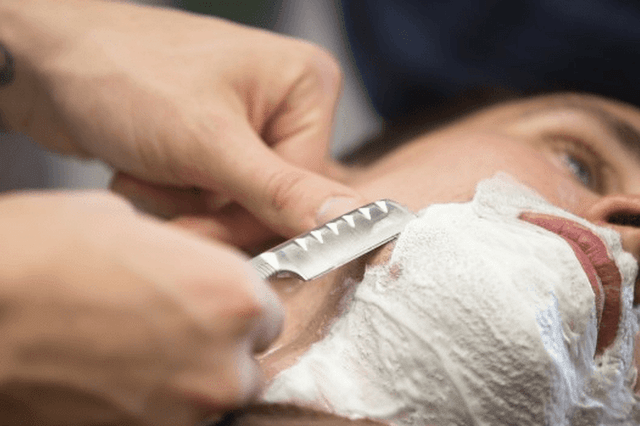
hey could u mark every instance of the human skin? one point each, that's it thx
(185, 105)
(563, 146)
(109, 316)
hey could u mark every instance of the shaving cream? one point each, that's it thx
(478, 318)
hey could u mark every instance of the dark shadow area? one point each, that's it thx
(257, 13)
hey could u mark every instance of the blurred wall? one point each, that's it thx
(25, 165)
(318, 21)
(321, 22)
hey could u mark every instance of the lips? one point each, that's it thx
(594, 257)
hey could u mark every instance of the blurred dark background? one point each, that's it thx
(258, 13)
(415, 62)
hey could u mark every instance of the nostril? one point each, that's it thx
(624, 219)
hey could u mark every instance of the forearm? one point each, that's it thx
(33, 33)
(17, 83)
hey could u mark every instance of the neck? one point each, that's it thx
(311, 307)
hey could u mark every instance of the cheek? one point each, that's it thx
(427, 173)
(448, 170)
(541, 173)
(568, 197)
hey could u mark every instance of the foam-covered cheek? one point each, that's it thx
(548, 257)
(457, 299)
(476, 317)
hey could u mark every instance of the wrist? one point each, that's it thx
(17, 88)
(31, 35)
(36, 34)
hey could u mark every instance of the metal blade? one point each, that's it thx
(336, 242)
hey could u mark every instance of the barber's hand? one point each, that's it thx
(110, 317)
(193, 111)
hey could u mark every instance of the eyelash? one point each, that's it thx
(576, 149)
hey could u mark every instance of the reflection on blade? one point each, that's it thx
(336, 242)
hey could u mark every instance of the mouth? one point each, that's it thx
(600, 268)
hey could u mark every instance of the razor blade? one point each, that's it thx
(335, 243)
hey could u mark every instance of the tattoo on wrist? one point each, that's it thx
(7, 67)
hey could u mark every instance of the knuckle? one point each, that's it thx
(330, 64)
(323, 63)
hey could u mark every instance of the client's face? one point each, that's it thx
(498, 303)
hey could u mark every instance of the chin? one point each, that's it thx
(479, 317)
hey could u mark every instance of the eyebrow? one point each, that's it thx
(623, 132)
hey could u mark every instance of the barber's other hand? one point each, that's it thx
(178, 102)
(110, 317)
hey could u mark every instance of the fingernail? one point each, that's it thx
(335, 207)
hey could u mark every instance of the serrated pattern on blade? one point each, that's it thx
(317, 235)
(366, 212)
(334, 228)
(349, 219)
(382, 205)
(338, 241)
(302, 243)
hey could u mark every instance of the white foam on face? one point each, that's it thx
(478, 318)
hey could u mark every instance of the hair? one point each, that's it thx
(397, 133)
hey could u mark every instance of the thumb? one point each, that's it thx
(289, 199)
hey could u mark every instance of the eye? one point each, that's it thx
(579, 169)
(581, 161)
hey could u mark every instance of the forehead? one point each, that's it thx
(624, 116)
(620, 122)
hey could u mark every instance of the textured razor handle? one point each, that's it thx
(263, 267)
(336, 242)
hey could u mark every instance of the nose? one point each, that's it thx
(622, 213)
